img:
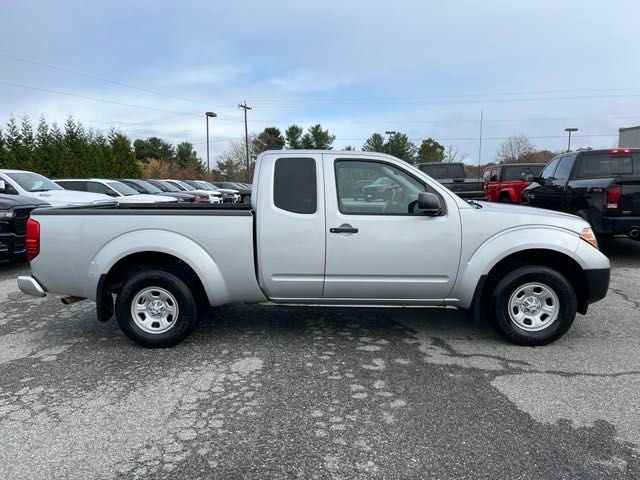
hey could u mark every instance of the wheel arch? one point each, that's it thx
(558, 261)
(156, 248)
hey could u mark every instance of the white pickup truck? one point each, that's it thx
(306, 239)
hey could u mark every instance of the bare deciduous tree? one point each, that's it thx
(513, 148)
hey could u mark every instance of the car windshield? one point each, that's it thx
(184, 185)
(208, 186)
(166, 186)
(148, 187)
(122, 189)
(33, 182)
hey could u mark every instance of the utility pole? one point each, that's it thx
(480, 147)
(244, 106)
(207, 116)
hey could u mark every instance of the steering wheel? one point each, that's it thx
(393, 202)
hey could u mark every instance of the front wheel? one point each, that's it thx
(156, 308)
(533, 305)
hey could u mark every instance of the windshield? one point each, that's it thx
(184, 185)
(166, 186)
(122, 189)
(33, 182)
(208, 186)
(148, 187)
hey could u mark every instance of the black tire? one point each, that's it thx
(521, 276)
(187, 308)
(505, 199)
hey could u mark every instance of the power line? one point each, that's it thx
(101, 79)
(86, 97)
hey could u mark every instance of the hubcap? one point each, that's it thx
(154, 310)
(533, 307)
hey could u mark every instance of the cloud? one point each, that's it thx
(426, 68)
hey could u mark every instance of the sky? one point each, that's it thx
(426, 68)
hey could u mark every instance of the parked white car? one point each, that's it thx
(30, 184)
(112, 188)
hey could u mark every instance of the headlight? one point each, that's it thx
(7, 215)
(588, 236)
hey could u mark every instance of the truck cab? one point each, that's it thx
(601, 186)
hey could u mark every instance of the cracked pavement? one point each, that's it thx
(266, 392)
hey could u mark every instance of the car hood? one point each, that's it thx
(63, 198)
(8, 202)
(205, 192)
(145, 198)
(523, 215)
(228, 190)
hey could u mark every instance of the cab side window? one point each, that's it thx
(550, 169)
(295, 185)
(564, 169)
(375, 188)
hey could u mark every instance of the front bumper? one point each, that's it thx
(29, 285)
(597, 284)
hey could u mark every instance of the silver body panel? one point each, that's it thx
(393, 260)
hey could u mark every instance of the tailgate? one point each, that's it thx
(630, 199)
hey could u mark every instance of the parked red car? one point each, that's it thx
(504, 183)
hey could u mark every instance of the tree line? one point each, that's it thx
(75, 151)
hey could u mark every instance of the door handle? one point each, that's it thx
(346, 228)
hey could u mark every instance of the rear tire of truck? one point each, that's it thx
(533, 305)
(156, 309)
(505, 199)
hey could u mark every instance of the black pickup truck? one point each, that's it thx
(14, 211)
(601, 186)
(452, 176)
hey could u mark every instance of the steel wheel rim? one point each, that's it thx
(154, 310)
(534, 307)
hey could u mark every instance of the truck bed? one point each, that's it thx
(218, 240)
(151, 209)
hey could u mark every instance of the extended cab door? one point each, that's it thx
(379, 249)
(289, 202)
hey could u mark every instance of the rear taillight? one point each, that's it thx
(32, 239)
(613, 197)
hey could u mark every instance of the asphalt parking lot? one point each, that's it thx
(265, 392)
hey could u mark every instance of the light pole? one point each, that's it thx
(390, 132)
(208, 115)
(570, 129)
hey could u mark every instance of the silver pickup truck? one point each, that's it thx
(308, 239)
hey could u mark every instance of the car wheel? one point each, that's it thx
(156, 308)
(533, 305)
(505, 199)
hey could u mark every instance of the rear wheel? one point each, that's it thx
(533, 305)
(504, 198)
(156, 308)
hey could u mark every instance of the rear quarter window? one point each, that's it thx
(294, 185)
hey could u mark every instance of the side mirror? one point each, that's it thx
(429, 203)
(528, 177)
(539, 180)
